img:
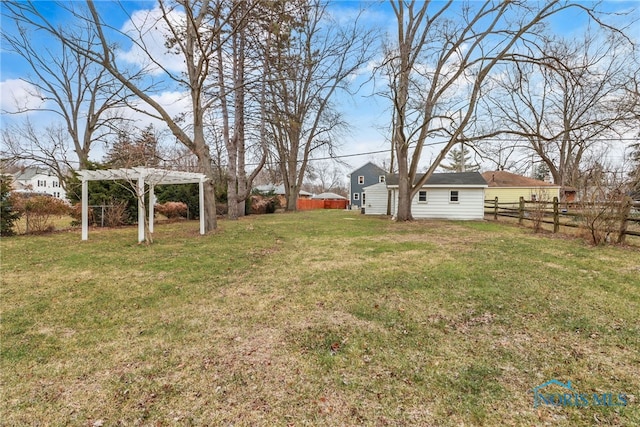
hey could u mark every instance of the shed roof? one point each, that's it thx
(508, 179)
(445, 179)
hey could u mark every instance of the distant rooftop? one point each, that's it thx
(508, 179)
(277, 189)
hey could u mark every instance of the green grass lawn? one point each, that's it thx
(316, 318)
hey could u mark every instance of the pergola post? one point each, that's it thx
(151, 203)
(85, 209)
(201, 204)
(140, 209)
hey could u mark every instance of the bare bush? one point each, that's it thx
(541, 202)
(172, 210)
(38, 212)
(604, 207)
(115, 214)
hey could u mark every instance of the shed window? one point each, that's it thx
(356, 196)
(422, 196)
(453, 196)
(361, 179)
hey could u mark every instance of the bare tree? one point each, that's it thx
(68, 84)
(311, 60)
(325, 176)
(25, 142)
(238, 67)
(437, 69)
(569, 102)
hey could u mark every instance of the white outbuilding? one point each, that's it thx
(457, 196)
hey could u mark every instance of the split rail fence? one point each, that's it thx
(574, 215)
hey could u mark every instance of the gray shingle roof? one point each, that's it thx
(457, 178)
(31, 171)
(329, 196)
(277, 189)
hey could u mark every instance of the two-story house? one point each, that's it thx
(366, 175)
(40, 180)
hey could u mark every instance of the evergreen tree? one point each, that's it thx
(128, 152)
(7, 214)
(541, 172)
(460, 161)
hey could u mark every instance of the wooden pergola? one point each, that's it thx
(141, 176)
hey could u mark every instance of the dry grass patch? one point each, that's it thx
(318, 318)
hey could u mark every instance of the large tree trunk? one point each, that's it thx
(404, 190)
(206, 166)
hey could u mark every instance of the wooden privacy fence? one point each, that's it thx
(627, 214)
(309, 204)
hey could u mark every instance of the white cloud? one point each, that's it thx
(18, 95)
(150, 30)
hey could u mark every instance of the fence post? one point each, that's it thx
(624, 220)
(495, 209)
(521, 210)
(556, 215)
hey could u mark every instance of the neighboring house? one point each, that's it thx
(36, 179)
(278, 190)
(366, 175)
(458, 196)
(509, 187)
(328, 196)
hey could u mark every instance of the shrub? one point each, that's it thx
(38, 211)
(172, 210)
(8, 214)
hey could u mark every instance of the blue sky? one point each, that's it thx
(368, 115)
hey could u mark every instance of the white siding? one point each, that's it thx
(469, 207)
(376, 199)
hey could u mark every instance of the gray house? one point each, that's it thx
(366, 175)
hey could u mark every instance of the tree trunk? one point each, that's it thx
(404, 185)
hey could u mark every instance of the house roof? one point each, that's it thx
(329, 196)
(375, 167)
(508, 179)
(31, 171)
(445, 179)
(277, 189)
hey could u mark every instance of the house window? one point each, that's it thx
(534, 198)
(422, 196)
(453, 196)
(363, 197)
(55, 184)
(356, 196)
(42, 183)
(381, 178)
(361, 179)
